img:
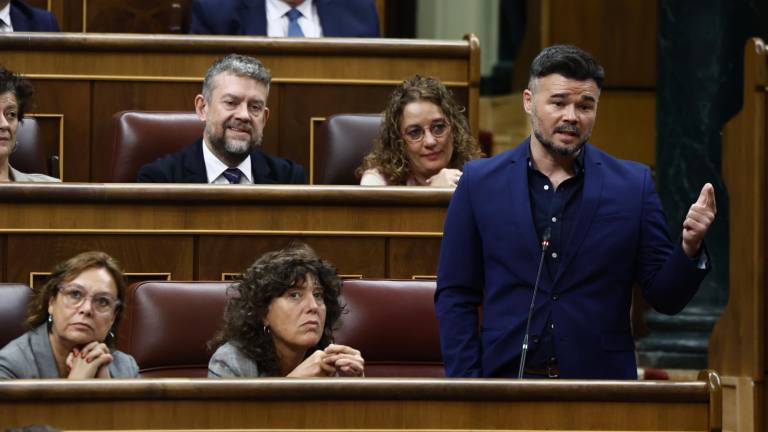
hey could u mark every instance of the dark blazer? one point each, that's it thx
(490, 255)
(188, 166)
(27, 18)
(338, 18)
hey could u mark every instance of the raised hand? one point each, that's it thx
(700, 216)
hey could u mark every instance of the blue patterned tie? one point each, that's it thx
(233, 175)
(293, 23)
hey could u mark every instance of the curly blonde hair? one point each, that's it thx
(389, 154)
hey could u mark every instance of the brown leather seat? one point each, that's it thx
(13, 311)
(140, 137)
(346, 139)
(30, 154)
(393, 324)
(167, 325)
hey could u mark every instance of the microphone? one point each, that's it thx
(544, 247)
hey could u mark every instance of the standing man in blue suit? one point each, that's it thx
(605, 227)
(17, 16)
(280, 18)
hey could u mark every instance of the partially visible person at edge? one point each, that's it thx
(17, 16)
(73, 319)
(279, 321)
(286, 18)
(603, 227)
(15, 99)
(424, 138)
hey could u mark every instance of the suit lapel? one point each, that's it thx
(522, 217)
(19, 21)
(590, 198)
(253, 17)
(262, 174)
(194, 164)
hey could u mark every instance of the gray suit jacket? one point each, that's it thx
(229, 362)
(31, 356)
(19, 176)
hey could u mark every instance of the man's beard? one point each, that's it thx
(556, 150)
(236, 147)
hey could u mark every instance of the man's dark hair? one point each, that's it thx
(19, 87)
(568, 61)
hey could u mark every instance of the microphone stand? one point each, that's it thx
(524, 352)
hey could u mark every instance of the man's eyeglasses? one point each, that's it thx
(416, 134)
(74, 296)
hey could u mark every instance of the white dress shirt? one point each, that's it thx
(215, 168)
(277, 21)
(5, 16)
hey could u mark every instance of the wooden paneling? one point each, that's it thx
(89, 77)
(201, 232)
(363, 404)
(413, 257)
(137, 16)
(39, 253)
(620, 34)
(352, 256)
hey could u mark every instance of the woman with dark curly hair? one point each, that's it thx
(279, 321)
(424, 138)
(74, 318)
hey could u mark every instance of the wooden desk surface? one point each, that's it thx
(180, 231)
(362, 404)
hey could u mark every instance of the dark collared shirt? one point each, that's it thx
(554, 208)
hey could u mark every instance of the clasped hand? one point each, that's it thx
(335, 359)
(90, 361)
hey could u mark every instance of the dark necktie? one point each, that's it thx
(233, 175)
(293, 23)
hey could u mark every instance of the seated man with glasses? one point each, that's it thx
(73, 320)
(424, 139)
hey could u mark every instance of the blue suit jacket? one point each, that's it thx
(27, 18)
(490, 255)
(338, 18)
(188, 166)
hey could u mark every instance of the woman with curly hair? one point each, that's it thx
(74, 319)
(279, 321)
(424, 138)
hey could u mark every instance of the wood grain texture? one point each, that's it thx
(361, 404)
(200, 232)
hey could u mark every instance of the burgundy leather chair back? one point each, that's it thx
(346, 139)
(167, 325)
(30, 155)
(393, 324)
(140, 137)
(13, 311)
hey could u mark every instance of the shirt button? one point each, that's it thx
(554, 219)
(535, 339)
(546, 187)
(552, 360)
(554, 254)
(552, 326)
(555, 297)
